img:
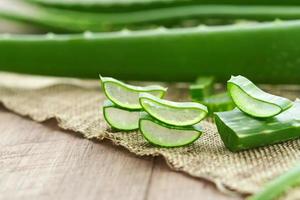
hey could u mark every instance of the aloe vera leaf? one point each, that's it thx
(119, 118)
(218, 102)
(253, 101)
(164, 135)
(202, 88)
(76, 21)
(127, 4)
(162, 54)
(240, 131)
(275, 188)
(173, 113)
(127, 96)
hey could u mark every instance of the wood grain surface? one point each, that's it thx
(41, 161)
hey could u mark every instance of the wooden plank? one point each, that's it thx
(39, 161)
(167, 184)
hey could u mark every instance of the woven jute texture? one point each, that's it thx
(76, 105)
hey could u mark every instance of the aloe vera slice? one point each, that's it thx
(164, 135)
(120, 119)
(240, 131)
(202, 88)
(127, 96)
(173, 113)
(218, 102)
(253, 101)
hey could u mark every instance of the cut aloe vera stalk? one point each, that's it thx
(127, 96)
(164, 135)
(202, 88)
(253, 101)
(218, 102)
(173, 113)
(240, 131)
(120, 119)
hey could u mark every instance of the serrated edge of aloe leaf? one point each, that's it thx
(150, 88)
(176, 105)
(109, 104)
(281, 106)
(196, 127)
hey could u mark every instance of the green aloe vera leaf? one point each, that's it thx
(240, 131)
(277, 187)
(78, 21)
(202, 88)
(127, 96)
(138, 4)
(119, 118)
(164, 135)
(253, 101)
(173, 113)
(162, 54)
(218, 102)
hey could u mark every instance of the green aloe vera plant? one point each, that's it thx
(162, 54)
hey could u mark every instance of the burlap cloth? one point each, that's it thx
(76, 105)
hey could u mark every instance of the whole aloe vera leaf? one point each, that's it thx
(162, 54)
(275, 188)
(76, 21)
(131, 3)
(240, 131)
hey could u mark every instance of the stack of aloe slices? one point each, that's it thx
(122, 110)
(161, 122)
(178, 122)
(260, 119)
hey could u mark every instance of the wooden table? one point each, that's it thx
(41, 161)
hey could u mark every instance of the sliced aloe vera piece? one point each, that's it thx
(120, 119)
(202, 88)
(164, 135)
(240, 131)
(127, 96)
(218, 102)
(253, 101)
(173, 113)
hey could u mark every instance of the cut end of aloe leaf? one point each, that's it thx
(127, 96)
(253, 101)
(240, 131)
(173, 113)
(218, 102)
(168, 136)
(202, 88)
(120, 119)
